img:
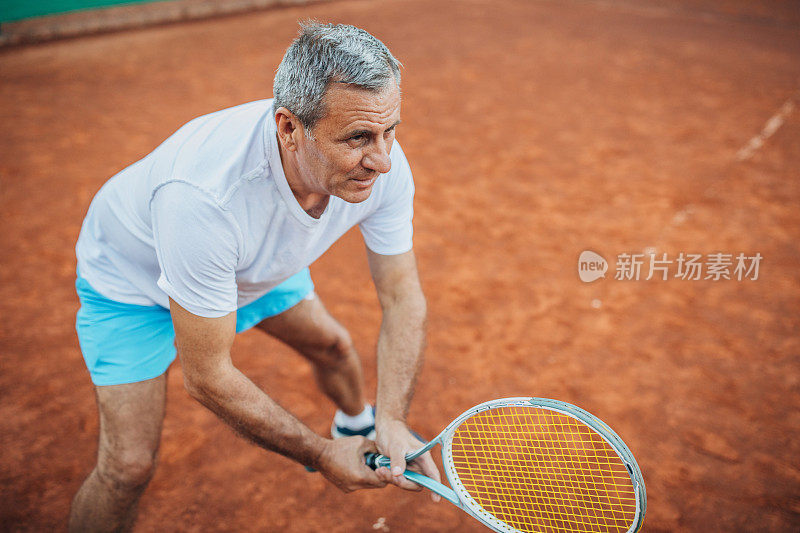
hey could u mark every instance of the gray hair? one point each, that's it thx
(330, 53)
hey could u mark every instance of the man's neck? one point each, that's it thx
(312, 203)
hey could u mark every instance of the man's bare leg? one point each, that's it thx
(130, 431)
(316, 335)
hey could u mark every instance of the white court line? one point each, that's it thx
(745, 152)
(772, 125)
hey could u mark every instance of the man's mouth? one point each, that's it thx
(366, 181)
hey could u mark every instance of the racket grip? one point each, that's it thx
(371, 458)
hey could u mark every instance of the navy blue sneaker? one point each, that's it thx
(338, 432)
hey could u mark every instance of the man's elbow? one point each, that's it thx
(193, 385)
(200, 383)
(417, 306)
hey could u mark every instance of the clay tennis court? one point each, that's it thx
(536, 130)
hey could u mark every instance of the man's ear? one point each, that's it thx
(289, 127)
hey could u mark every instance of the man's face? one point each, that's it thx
(351, 143)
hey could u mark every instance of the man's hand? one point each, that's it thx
(394, 440)
(342, 463)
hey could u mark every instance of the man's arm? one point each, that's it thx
(210, 377)
(401, 342)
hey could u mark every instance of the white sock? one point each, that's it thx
(359, 421)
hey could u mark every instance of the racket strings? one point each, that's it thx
(541, 470)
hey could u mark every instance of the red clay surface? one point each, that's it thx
(535, 130)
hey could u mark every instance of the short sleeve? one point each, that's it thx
(197, 244)
(389, 229)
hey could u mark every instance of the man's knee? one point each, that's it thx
(335, 350)
(128, 470)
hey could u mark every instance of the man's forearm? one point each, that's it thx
(253, 414)
(401, 343)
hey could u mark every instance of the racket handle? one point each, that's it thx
(370, 458)
(373, 459)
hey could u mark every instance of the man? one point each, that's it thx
(212, 233)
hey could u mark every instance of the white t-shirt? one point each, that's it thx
(209, 220)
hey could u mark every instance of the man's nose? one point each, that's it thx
(377, 158)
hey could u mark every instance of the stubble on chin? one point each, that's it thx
(356, 196)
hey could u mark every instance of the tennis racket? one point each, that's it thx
(536, 465)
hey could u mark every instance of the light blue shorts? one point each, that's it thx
(125, 343)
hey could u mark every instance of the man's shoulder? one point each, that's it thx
(217, 150)
(246, 112)
(233, 125)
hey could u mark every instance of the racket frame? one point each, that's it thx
(460, 497)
